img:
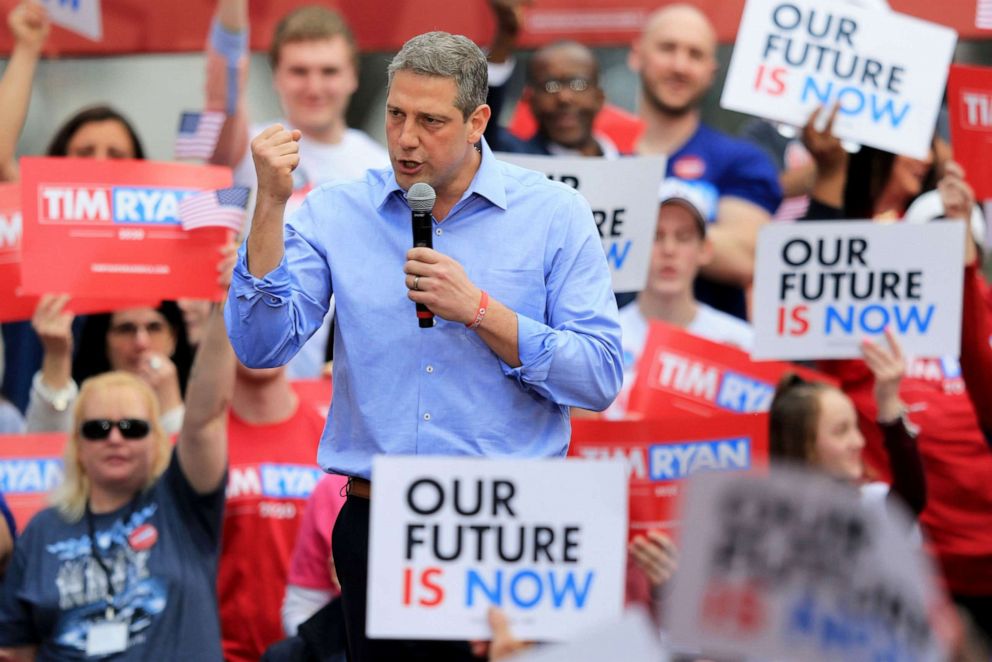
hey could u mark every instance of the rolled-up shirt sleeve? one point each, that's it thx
(574, 356)
(270, 318)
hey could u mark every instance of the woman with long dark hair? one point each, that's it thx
(948, 400)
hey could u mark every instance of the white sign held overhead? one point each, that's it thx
(792, 56)
(820, 288)
(80, 16)
(544, 540)
(623, 194)
(796, 566)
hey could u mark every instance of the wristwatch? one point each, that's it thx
(59, 399)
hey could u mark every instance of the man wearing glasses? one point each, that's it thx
(562, 89)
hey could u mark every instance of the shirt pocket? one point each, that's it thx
(521, 290)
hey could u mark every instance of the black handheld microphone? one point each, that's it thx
(421, 198)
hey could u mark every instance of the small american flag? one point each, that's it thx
(983, 15)
(226, 208)
(198, 133)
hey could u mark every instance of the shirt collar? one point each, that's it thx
(488, 181)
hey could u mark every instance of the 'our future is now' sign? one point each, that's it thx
(545, 540)
(885, 70)
(821, 288)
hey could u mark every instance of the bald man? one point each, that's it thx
(675, 57)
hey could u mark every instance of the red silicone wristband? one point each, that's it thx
(481, 312)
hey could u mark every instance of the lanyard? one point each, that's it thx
(95, 552)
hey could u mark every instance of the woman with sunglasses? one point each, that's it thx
(124, 563)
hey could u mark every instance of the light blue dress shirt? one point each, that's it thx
(529, 242)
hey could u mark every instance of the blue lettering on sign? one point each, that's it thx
(853, 101)
(675, 461)
(525, 589)
(616, 256)
(30, 476)
(289, 480)
(875, 317)
(841, 632)
(743, 394)
(147, 205)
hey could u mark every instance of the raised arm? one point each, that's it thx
(958, 200)
(888, 367)
(29, 24)
(52, 390)
(276, 152)
(227, 75)
(202, 445)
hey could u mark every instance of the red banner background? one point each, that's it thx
(139, 26)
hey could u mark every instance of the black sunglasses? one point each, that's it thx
(99, 429)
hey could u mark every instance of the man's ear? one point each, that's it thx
(705, 253)
(634, 56)
(477, 122)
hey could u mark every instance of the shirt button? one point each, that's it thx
(430, 369)
(439, 232)
(427, 416)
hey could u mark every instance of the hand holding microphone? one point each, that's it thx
(421, 197)
(437, 283)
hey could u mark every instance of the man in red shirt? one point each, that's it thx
(272, 471)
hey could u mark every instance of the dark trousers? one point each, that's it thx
(350, 546)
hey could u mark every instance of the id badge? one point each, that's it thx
(106, 637)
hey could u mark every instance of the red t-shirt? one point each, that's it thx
(956, 456)
(272, 472)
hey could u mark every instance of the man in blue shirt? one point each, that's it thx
(526, 322)
(675, 57)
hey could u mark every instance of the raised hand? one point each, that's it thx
(655, 554)
(53, 324)
(29, 24)
(276, 153)
(824, 146)
(888, 366)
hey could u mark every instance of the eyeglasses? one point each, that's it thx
(555, 85)
(131, 329)
(98, 429)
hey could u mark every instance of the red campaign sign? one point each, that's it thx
(139, 26)
(96, 227)
(969, 102)
(680, 373)
(30, 468)
(662, 453)
(13, 306)
(16, 306)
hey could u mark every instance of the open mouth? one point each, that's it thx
(409, 167)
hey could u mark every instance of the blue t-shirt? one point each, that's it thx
(716, 165)
(163, 564)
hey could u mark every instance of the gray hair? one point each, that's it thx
(447, 56)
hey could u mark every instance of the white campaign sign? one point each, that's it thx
(820, 288)
(632, 639)
(623, 194)
(81, 16)
(545, 540)
(796, 566)
(887, 70)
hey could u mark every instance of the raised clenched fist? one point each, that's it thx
(276, 153)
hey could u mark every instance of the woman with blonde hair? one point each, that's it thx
(124, 563)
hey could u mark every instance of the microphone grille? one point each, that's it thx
(421, 197)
